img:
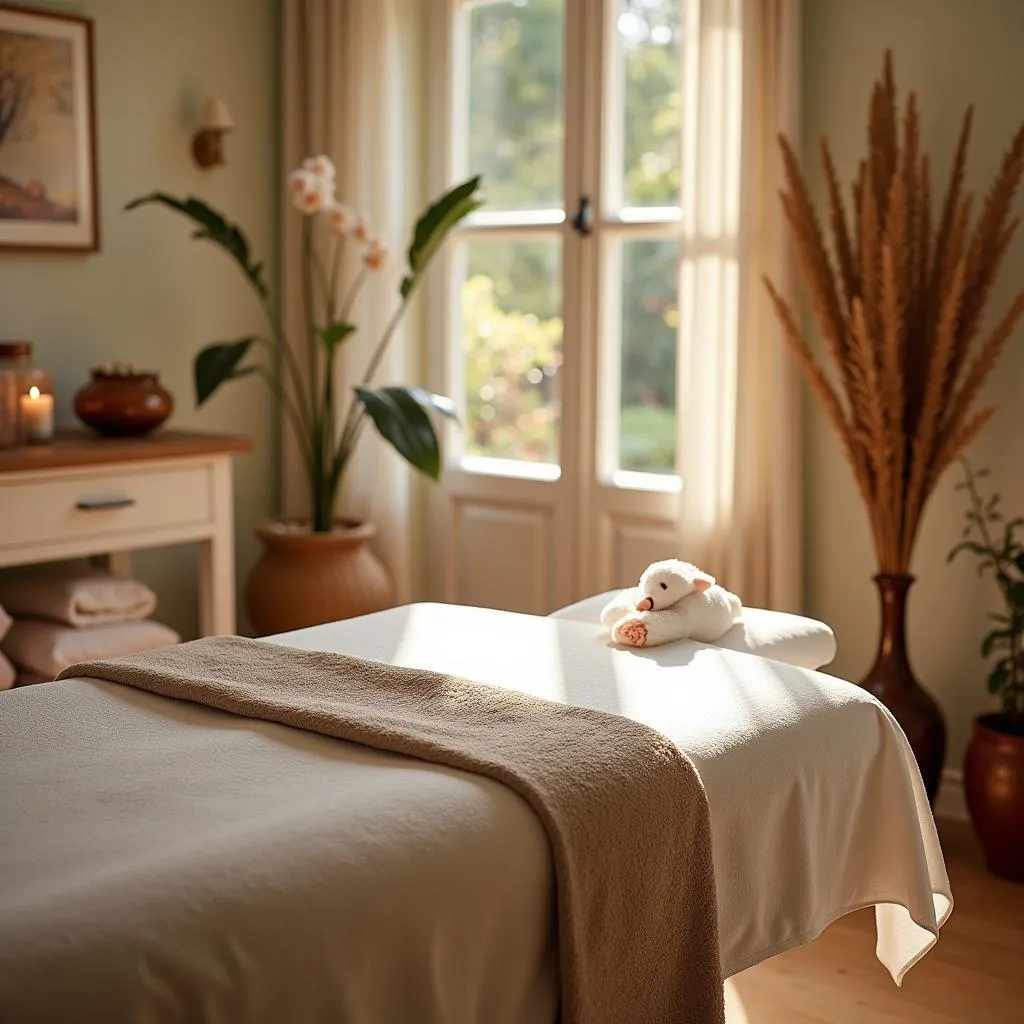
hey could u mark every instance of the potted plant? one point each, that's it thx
(994, 763)
(322, 568)
(899, 297)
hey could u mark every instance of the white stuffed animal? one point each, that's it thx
(675, 601)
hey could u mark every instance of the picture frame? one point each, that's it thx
(48, 188)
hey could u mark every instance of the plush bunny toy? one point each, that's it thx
(675, 601)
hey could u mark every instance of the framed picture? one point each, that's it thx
(47, 132)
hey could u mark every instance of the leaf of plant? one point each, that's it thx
(217, 363)
(998, 677)
(997, 636)
(334, 334)
(401, 421)
(433, 226)
(434, 403)
(433, 242)
(1008, 531)
(966, 545)
(211, 226)
(435, 214)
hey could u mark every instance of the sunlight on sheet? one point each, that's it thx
(740, 696)
(520, 653)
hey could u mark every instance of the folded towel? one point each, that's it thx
(75, 594)
(7, 674)
(5, 622)
(47, 648)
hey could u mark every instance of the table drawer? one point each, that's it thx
(102, 504)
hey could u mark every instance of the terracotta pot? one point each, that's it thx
(305, 578)
(892, 681)
(994, 788)
(123, 404)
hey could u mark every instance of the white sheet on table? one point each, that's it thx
(817, 805)
(157, 853)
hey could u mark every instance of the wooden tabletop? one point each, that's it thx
(71, 448)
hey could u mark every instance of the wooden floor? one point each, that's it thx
(975, 973)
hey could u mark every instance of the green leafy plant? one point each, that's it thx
(327, 438)
(993, 539)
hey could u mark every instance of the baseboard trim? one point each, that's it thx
(950, 804)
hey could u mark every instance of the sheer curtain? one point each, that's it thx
(739, 418)
(343, 95)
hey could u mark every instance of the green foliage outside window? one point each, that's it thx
(516, 143)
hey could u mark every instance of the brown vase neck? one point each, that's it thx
(892, 681)
(891, 660)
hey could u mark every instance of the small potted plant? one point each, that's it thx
(994, 763)
(322, 568)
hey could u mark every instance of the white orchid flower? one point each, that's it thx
(340, 219)
(300, 181)
(309, 202)
(310, 193)
(322, 167)
(361, 229)
(376, 255)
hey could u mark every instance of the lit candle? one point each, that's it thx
(36, 416)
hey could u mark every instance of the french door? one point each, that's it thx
(556, 322)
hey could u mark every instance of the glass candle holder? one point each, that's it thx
(8, 409)
(14, 360)
(24, 417)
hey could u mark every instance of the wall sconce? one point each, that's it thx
(206, 143)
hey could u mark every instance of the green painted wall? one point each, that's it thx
(152, 296)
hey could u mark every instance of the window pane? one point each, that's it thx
(516, 123)
(650, 316)
(648, 38)
(512, 349)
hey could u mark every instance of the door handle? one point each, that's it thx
(583, 220)
(100, 504)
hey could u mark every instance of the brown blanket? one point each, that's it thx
(623, 808)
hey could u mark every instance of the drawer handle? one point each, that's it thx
(99, 504)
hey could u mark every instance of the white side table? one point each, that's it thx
(87, 496)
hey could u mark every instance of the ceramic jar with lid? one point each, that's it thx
(119, 401)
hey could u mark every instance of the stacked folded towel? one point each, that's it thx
(68, 614)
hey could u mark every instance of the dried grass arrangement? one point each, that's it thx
(899, 301)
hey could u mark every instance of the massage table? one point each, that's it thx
(163, 861)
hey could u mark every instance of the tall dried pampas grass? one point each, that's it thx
(899, 301)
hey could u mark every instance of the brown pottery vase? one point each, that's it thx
(118, 404)
(305, 578)
(994, 788)
(892, 681)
